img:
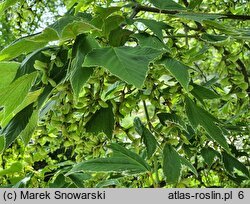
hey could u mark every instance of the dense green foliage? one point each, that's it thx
(146, 93)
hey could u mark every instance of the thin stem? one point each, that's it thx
(203, 75)
(151, 176)
(157, 180)
(147, 115)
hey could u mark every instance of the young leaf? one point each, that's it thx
(68, 27)
(102, 121)
(171, 164)
(75, 28)
(128, 63)
(178, 70)
(148, 138)
(79, 75)
(123, 161)
(231, 163)
(167, 5)
(198, 116)
(17, 124)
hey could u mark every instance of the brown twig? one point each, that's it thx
(173, 12)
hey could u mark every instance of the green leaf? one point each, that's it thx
(231, 164)
(178, 70)
(102, 121)
(79, 75)
(148, 138)
(214, 39)
(14, 168)
(114, 164)
(199, 17)
(17, 124)
(123, 152)
(6, 4)
(59, 182)
(15, 93)
(201, 92)
(188, 164)
(167, 5)
(224, 28)
(108, 183)
(101, 15)
(21, 46)
(118, 37)
(128, 63)
(47, 35)
(174, 118)
(78, 179)
(209, 155)
(198, 116)
(171, 164)
(146, 40)
(69, 27)
(111, 23)
(30, 128)
(2, 143)
(24, 182)
(30, 98)
(27, 65)
(7, 73)
(75, 28)
(118, 85)
(123, 161)
(155, 26)
(194, 3)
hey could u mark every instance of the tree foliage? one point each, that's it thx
(125, 94)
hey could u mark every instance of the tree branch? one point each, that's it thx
(170, 12)
(243, 70)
